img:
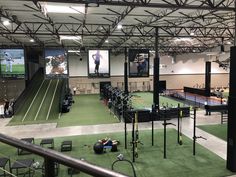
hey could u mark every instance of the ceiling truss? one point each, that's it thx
(208, 23)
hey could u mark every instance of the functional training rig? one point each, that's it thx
(120, 101)
(193, 115)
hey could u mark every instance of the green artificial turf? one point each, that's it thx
(142, 100)
(16, 69)
(150, 163)
(41, 105)
(219, 130)
(87, 110)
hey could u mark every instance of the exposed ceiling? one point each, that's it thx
(183, 25)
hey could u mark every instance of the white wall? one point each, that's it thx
(184, 64)
(79, 67)
(188, 64)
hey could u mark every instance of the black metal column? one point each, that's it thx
(125, 119)
(126, 72)
(49, 167)
(133, 139)
(156, 63)
(231, 139)
(208, 79)
(178, 128)
(156, 73)
(194, 131)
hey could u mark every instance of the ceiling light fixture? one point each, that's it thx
(31, 40)
(119, 26)
(63, 9)
(73, 51)
(92, 3)
(63, 37)
(6, 22)
(106, 41)
(192, 34)
(183, 39)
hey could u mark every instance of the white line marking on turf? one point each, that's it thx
(50, 107)
(42, 100)
(11, 174)
(35, 96)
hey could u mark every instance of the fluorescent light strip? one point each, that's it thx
(73, 51)
(63, 9)
(62, 37)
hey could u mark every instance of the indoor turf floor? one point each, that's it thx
(87, 110)
(218, 130)
(143, 100)
(150, 163)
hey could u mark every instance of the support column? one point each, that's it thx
(208, 79)
(156, 64)
(49, 168)
(126, 72)
(231, 139)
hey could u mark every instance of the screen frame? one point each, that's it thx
(92, 75)
(148, 72)
(24, 76)
(51, 76)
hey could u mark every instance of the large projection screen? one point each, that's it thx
(56, 63)
(98, 63)
(12, 63)
(138, 63)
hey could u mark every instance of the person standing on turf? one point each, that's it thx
(97, 57)
(74, 90)
(9, 61)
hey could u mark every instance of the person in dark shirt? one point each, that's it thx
(141, 62)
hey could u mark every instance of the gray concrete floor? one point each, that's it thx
(212, 143)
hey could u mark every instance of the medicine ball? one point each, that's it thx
(98, 148)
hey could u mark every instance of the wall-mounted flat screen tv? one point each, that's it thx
(138, 63)
(12, 63)
(98, 63)
(56, 63)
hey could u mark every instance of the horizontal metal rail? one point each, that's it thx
(81, 165)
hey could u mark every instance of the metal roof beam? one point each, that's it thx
(164, 35)
(54, 30)
(20, 25)
(10, 38)
(115, 23)
(205, 4)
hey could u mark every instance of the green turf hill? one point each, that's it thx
(20, 105)
(41, 102)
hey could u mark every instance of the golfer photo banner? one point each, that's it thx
(12, 63)
(98, 63)
(56, 63)
(138, 63)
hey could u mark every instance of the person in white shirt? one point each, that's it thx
(9, 61)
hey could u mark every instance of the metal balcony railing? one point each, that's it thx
(50, 157)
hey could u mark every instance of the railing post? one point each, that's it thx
(49, 166)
